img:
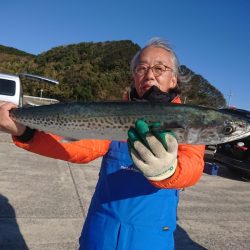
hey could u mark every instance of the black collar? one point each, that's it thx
(153, 94)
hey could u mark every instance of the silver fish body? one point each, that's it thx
(111, 120)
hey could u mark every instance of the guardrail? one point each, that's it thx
(36, 101)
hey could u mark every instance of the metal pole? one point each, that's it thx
(229, 98)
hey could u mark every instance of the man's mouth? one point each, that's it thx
(148, 85)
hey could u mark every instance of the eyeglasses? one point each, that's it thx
(157, 69)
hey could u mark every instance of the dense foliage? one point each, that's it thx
(199, 91)
(94, 71)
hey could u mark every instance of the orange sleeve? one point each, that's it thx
(53, 146)
(189, 168)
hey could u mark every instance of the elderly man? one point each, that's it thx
(135, 201)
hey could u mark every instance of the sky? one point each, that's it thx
(211, 37)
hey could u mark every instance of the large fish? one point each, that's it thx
(111, 120)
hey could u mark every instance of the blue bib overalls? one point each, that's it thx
(127, 212)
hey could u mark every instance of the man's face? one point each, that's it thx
(153, 57)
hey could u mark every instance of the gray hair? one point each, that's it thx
(157, 42)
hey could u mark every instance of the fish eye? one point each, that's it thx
(227, 130)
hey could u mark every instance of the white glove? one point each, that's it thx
(153, 153)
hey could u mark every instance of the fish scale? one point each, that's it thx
(111, 120)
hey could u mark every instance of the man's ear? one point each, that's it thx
(173, 81)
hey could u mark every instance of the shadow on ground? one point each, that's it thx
(10, 235)
(184, 242)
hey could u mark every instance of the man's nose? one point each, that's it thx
(150, 73)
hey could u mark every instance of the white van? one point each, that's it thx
(10, 89)
(11, 86)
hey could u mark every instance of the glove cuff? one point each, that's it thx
(164, 175)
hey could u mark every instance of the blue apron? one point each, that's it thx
(126, 211)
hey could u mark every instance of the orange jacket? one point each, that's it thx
(188, 171)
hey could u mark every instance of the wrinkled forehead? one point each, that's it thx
(155, 55)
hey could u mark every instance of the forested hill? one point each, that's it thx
(94, 71)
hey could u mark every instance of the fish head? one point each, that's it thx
(235, 129)
(226, 127)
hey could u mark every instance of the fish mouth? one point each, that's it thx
(237, 137)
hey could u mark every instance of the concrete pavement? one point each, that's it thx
(43, 203)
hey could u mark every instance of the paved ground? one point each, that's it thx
(43, 203)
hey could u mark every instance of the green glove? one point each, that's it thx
(153, 152)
